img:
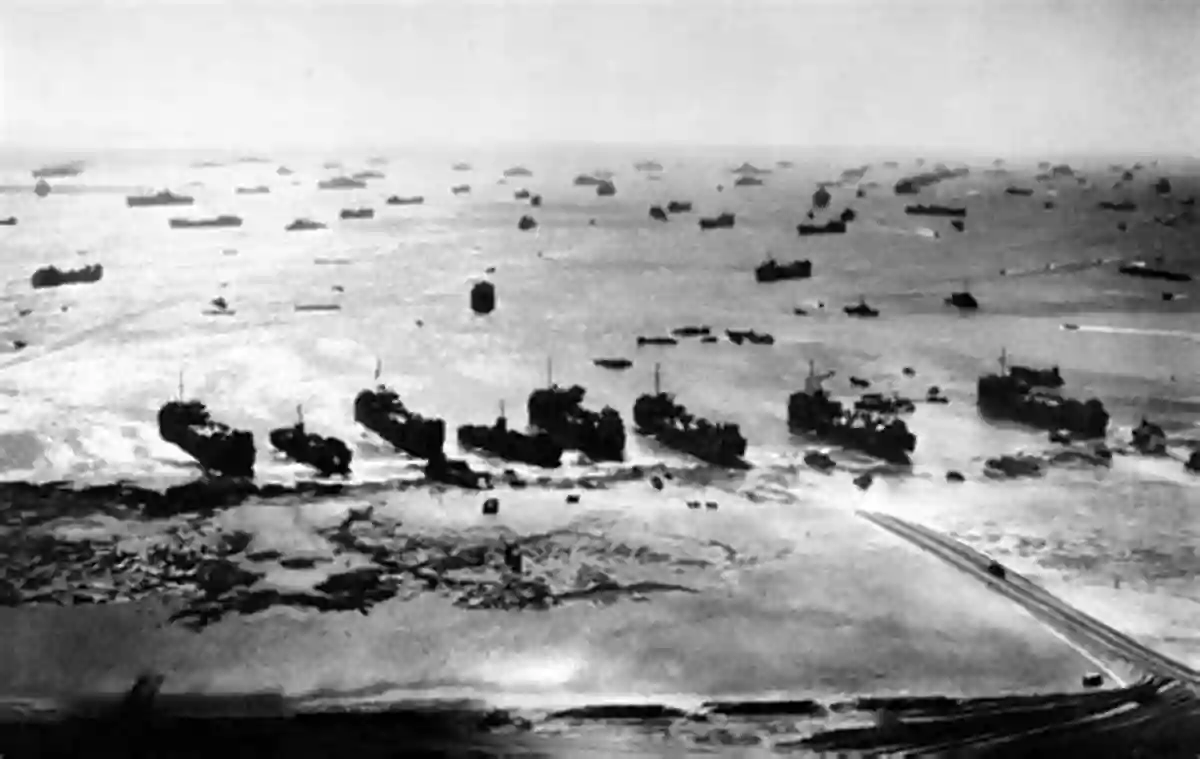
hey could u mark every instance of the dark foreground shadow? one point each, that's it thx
(1153, 718)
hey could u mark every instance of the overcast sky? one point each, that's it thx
(1004, 76)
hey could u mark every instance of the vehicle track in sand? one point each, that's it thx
(1098, 638)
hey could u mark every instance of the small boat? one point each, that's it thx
(322, 261)
(318, 307)
(526, 223)
(161, 198)
(831, 227)
(461, 166)
(934, 210)
(658, 214)
(461, 189)
(341, 183)
(656, 341)
(412, 200)
(518, 171)
(303, 225)
(261, 189)
(861, 310)
(521, 194)
(1071, 327)
(11, 221)
(612, 363)
(1018, 191)
(773, 271)
(1140, 269)
(357, 213)
(606, 188)
(722, 221)
(59, 171)
(368, 174)
(747, 181)
(679, 206)
(216, 222)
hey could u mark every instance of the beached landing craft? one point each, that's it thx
(882, 435)
(217, 447)
(660, 417)
(831, 227)
(381, 411)
(328, 455)
(538, 449)
(558, 412)
(1014, 396)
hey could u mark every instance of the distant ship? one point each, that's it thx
(52, 276)
(414, 200)
(648, 166)
(59, 170)
(368, 174)
(518, 171)
(217, 221)
(461, 166)
(934, 210)
(773, 271)
(261, 189)
(161, 198)
(357, 213)
(1140, 269)
(341, 183)
(303, 225)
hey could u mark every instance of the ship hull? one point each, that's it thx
(539, 450)
(417, 436)
(328, 455)
(557, 412)
(218, 448)
(1003, 399)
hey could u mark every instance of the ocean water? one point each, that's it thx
(79, 401)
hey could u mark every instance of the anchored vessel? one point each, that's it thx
(328, 455)
(52, 276)
(224, 220)
(161, 198)
(934, 210)
(773, 271)
(812, 412)
(1019, 394)
(660, 417)
(558, 412)
(382, 412)
(217, 447)
(1140, 269)
(831, 227)
(721, 221)
(538, 449)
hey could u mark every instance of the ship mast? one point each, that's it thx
(181, 384)
(1003, 362)
(657, 379)
(378, 368)
(550, 371)
(300, 413)
(501, 408)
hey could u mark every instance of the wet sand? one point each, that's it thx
(790, 598)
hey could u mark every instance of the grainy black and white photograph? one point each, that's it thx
(594, 378)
